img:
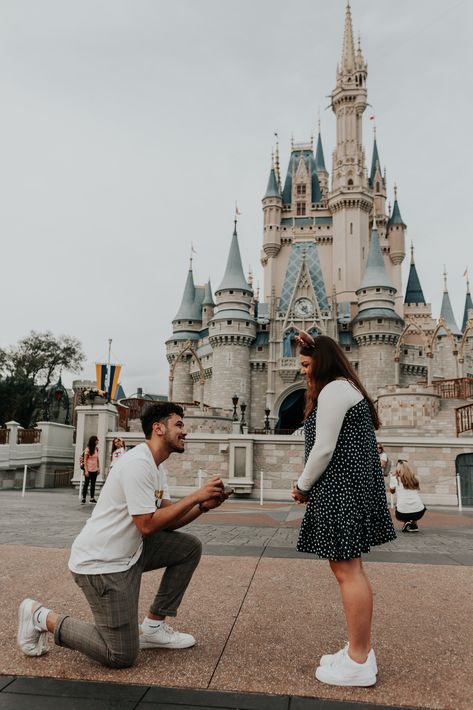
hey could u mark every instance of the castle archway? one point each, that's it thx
(290, 409)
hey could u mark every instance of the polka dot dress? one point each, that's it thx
(347, 512)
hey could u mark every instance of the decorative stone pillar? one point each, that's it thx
(105, 419)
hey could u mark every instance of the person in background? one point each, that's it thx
(91, 468)
(409, 505)
(384, 460)
(118, 449)
(343, 487)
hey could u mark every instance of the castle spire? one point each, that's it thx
(272, 189)
(234, 277)
(319, 154)
(446, 311)
(375, 272)
(468, 303)
(347, 63)
(188, 310)
(395, 217)
(375, 162)
(414, 293)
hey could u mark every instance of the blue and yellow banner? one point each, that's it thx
(101, 370)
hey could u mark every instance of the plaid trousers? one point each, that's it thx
(113, 638)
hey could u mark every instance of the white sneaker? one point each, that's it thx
(165, 637)
(329, 658)
(31, 641)
(345, 671)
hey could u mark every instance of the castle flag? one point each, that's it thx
(110, 384)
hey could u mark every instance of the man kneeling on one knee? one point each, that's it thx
(131, 531)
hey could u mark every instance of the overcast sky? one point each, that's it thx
(128, 128)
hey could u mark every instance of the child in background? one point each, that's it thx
(409, 505)
(118, 449)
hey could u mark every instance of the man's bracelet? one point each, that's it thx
(202, 508)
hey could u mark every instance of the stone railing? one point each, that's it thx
(457, 388)
(28, 436)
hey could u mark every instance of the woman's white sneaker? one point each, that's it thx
(31, 640)
(345, 671)
(329, 658)
(164, 636)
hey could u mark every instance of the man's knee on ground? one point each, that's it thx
(122, 659)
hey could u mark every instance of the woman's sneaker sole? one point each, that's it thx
(324, 675)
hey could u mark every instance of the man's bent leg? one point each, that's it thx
(113, 599)
(180, 553)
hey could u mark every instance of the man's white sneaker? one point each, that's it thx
(31, 641)
(329, 658)
(345, 671)
(164, 636)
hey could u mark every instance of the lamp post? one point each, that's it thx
(242, 420)
(266, 420)
(235, 403)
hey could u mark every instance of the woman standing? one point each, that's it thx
(91, 468)
(342, 484)
(118, 449)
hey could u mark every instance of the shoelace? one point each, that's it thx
(167, 629)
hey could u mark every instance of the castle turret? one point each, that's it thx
(208, 305)
(446, 310)
(377, 326)
(272, 206)
(321, 170)
(415, 306)
(396, 233)
(468, 310)
(232, 330)
(186, 326)
(378, 185)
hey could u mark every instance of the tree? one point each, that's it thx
(29, 368)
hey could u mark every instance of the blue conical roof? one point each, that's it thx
(446, 313)
(319, 155)
(190, 308)
(375, 272)
(375, 164)
(272, 190)
(208, 298)
(414, 293)
(396, 215)
(234, 278)
(468, 306)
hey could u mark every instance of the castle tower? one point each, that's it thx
(232, 330)
(396, 232)
(272, 207)
(377, 183)
(415, 306)
(444, 360)
(446, 310)
(376, 327)
(468, 310)
(351, 199)
(208, 305)
(322, 172)
(186, 326)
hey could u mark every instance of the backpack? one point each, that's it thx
(81, 461)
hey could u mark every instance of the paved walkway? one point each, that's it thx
(262, 613)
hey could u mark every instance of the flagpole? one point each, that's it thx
(107, 374)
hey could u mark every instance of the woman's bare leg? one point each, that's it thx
(357, 600)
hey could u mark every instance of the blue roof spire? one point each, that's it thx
(375, 162)
(395, 217)
(272, 189)
(375, 272)
(208, 298)
(190, 304)
(414, 293)
(468, 303)
(319, 154)
(234, 278)
(446, 311)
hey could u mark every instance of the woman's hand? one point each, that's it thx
(298, 496)
(303, 339)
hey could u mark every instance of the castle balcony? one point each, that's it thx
(288, 368)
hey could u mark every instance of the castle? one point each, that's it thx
(332, 254)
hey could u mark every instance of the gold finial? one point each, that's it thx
(412, 252)
(445, 278)
(395, 191)
(193, 251)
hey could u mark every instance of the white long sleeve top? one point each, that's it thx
(334, 401)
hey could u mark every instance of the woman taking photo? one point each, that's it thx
(342, 484)
(91, 468)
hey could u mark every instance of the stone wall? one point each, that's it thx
(376, 365)
(281, 458)
(411, 407)
(230, 374)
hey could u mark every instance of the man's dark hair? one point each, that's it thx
(158, 412)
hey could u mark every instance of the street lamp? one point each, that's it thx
(235, 403)
(266, 420)
(242, 420)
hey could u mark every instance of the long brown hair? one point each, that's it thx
(329, 363)
(407, 476)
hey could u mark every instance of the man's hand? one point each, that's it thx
(212, 503)
(210, 491)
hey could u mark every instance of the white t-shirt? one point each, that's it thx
(118, 453)
(110, 541)
(407, 500)
(334, 401)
